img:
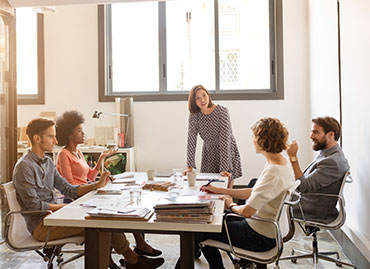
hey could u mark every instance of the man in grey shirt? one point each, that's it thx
(35, 178)
(324, 174)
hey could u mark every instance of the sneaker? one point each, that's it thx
(145, 263)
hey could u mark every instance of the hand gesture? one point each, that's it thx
(109, 152)
(226, 174)
(189, 169)
(103, 180)
(292, 149)
(228, 200)
(209, 189)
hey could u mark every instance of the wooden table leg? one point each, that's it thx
(97, 248)
(187, 250)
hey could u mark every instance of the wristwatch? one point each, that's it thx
(293, 159)
(232, 205)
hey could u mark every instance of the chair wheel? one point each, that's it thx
(338, 264)
(294, 260)
(59, 260)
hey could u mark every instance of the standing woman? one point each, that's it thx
(212, 122)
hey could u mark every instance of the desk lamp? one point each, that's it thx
(97, 115)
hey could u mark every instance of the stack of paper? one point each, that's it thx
(186, 209)
(127, 213)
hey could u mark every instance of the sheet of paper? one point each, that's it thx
(123, 180)
(124, 175)
(102, 203)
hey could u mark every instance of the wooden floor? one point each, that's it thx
(169, 244)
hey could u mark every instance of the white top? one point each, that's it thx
(268, 194)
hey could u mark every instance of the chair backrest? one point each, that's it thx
(16, 231)
(346, 179)
(341, 218)
(286, 223)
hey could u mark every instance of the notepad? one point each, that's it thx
(108, 192)
(124, 175)
(123, 180)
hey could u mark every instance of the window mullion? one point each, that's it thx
(162, 48)
(272, 45)
(217, 48)
(108, 44)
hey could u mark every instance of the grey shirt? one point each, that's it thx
(323, 175)
(34, 181)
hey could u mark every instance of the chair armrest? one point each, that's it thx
(296, 200)
(320, 224)
(279, 242)
(7, 221)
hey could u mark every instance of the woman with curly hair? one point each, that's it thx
(263, 200)
(71, 164)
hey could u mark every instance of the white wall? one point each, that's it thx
(355, 40)
(161, 127)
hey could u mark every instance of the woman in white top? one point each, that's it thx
(263, 200)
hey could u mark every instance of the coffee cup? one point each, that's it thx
(192, 176)
(150, 174)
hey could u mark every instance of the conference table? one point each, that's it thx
(73, 215)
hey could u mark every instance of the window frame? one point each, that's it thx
(277, 73)
(39, 98)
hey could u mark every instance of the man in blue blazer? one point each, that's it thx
(324, 174)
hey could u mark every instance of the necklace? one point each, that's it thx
(74, 153)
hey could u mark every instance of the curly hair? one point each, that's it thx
(65, 125)
(271, 135)
(193, 108)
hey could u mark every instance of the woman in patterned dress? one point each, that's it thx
(220, 153)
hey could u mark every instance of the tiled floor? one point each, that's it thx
(169, 245)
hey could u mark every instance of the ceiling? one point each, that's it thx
(32, 3)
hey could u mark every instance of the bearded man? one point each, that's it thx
(324, 174)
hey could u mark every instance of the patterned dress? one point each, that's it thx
(220, 152)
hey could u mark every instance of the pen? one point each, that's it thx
(209, 182)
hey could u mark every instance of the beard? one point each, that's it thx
(319, 145)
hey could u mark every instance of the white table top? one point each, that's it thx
(73, 215)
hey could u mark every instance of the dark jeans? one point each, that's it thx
(242, 236)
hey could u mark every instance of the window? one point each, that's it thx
(160, 50)
(30, 56)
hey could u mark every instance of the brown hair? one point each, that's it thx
(329, 124)
(271, 135)
(193, 108)
(37, 127)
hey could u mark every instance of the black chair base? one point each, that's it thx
(315, 255)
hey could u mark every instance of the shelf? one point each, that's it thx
(130, 157)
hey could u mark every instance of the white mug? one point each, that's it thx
(192, 176)
(150, 174)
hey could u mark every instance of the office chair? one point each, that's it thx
(284, 231)
(312, 227)
(18, 238)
